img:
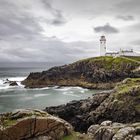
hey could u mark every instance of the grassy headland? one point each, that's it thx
(95, 73)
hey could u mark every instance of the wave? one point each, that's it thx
(17, 95)
(39, 89)
(41, 95)
(5, 85)
(24, 96)
(17, 79)
(70, 94)
(69, 88)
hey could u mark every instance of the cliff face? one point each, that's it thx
(120, 105)
(99, 72)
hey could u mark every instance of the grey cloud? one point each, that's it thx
(126, 18)
(25, 27)
(128, 6)
(14, 22)
(106, 29)
(59, 18)
(133, 29)
(50, 51)
(135, 42)
(58, 22)
(21, 22)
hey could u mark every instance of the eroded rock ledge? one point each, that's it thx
(32, 125)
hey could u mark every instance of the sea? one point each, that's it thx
(19, 97)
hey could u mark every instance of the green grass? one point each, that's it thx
(137, 107)
(70, 137)
(127, 95)
(9, 120)
(124, 88)
(108, 62)
(134, 58)
(74, 136)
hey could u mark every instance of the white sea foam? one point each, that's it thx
(11, 95)
(17, 79)
(55, 87)
(40, 95)
(65, 88)
(70, 94)
(60, 89)
(45, 88)
(4, 85)
(26, 98)
(1, 82)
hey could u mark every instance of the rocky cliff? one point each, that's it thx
(32, 125)
(97, 73)
(119, 105)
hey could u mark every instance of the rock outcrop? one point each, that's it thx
(114, 131)
(13, 83)
(119, 105)
(77, 112)
(95, 73)
(32, 125)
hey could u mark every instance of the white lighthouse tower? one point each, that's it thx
(102, 46)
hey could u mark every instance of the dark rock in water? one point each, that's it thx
(94, 73)
(121, 105)
(6, 81)
(13, 83)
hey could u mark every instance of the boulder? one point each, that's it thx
(104, 133)
(33, 125)
(106, 123)
(137, 137)
(114, 131)
(92, 130)
(125, 133)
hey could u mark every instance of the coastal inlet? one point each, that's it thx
(15, 97)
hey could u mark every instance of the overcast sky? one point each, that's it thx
(63, 31)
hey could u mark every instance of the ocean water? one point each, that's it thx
(18, 97)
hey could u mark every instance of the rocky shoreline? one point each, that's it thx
(111, 115)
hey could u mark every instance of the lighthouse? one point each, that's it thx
(102, 46)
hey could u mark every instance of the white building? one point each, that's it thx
(121, 52)
(102, 46)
